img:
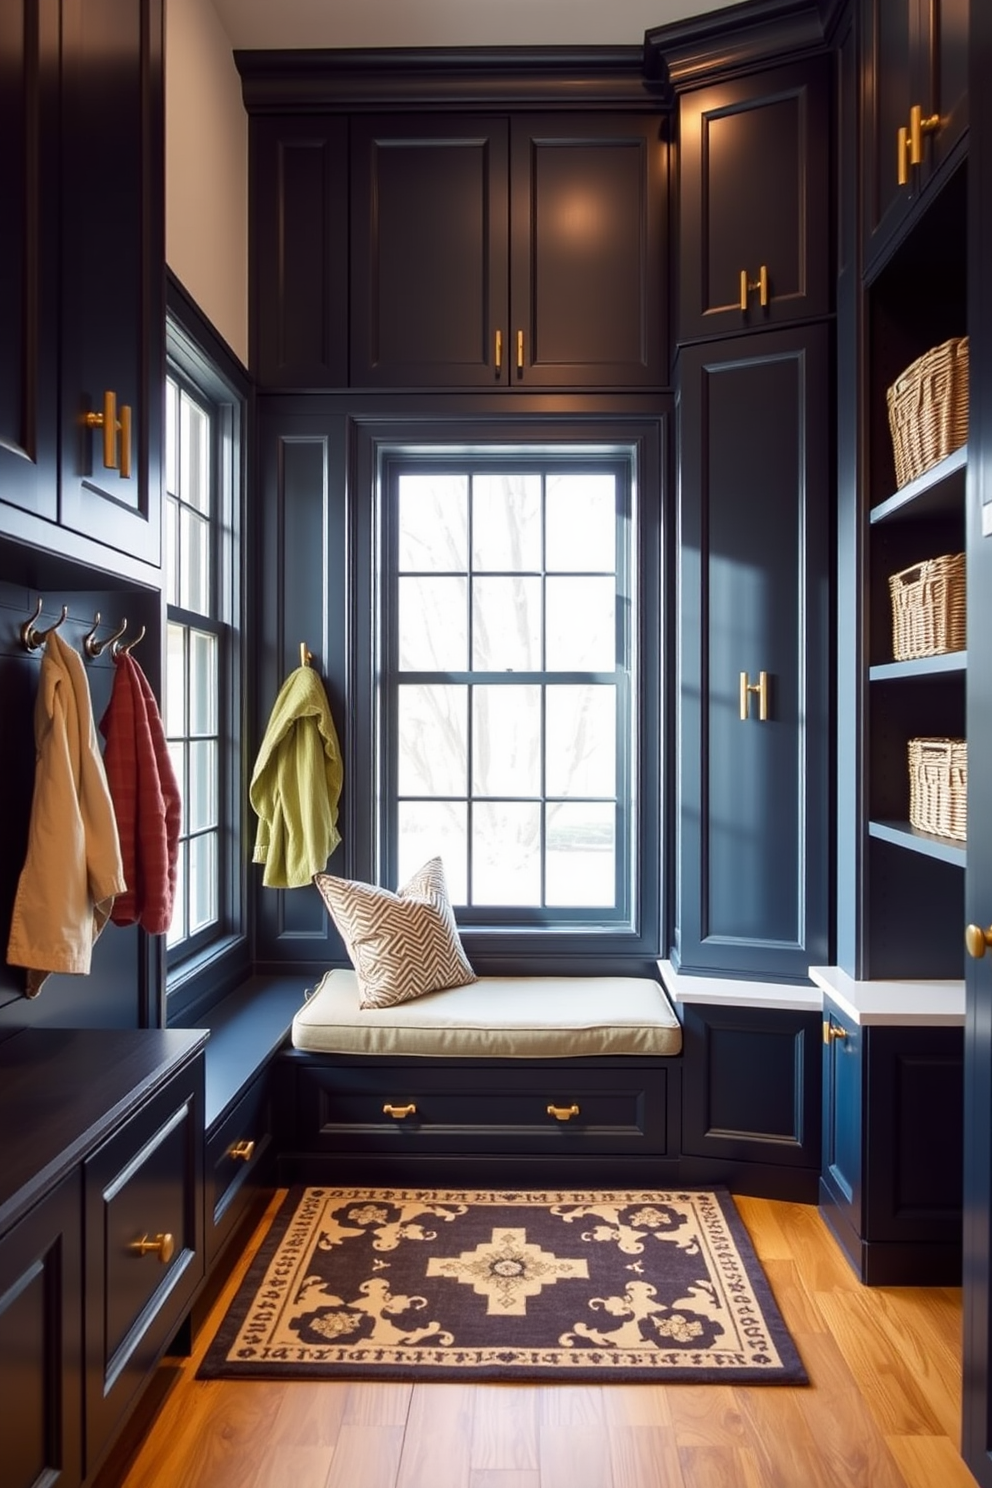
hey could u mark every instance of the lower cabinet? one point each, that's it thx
(751, 1099)
(893, 1133)
(41, 1343)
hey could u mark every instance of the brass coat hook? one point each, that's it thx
(306, 657)
(120, 650)
(32, 638)
(95, 648)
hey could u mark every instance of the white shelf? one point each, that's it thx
(737, 992)
(929, 1004)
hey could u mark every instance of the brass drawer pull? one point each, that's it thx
(399, 1113)
(832, 1031)
(163, 1245)
(243, 1151)
(563, 1113)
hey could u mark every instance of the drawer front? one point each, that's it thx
(144, 1246)
(536, 1109)
(238, 1156)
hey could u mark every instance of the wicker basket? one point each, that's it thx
(938, 786)
(929, 608)
(928, 409)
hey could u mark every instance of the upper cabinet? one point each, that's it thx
(82, 292)
(523, 252)
(754, 188)
(915, 106)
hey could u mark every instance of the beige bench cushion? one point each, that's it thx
(495, 1018)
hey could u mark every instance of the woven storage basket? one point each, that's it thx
(938, 786)
(928, 408)
(929, 608)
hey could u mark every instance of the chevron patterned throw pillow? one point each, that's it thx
(401, 945)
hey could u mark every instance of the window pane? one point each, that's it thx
(175, 681)
(177, 754)
(177, 930)
(171, 552)
(581, 747)
(582, 522)
(203, 896)
(506, 625)
(194, 472)
(433, 523)
(433, 624)
(506, 522)
(202, 809)
(202, 683)
(506, 741)
(433, 741)
(506, 853)
(194, 562)
(171, 436)
(581, 625)
(434, 829)
(581, 855)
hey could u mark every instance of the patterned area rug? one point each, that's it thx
(362, 1283)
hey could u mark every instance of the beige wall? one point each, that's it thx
(206, 168)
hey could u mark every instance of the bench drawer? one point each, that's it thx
(239, 1151)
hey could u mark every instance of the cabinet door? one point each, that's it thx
(916, 55)
(299, 251)
(754, 603)
(842, 1124)
(144, 1247)
(28, 262)
(429, 240)
(754, 175)
(40, 1344)
(588, 267)
(113, 269)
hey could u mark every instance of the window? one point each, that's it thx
(202, 688)
(508, 688)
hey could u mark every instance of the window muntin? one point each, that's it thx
(507, 685)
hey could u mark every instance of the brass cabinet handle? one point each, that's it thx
(563, 1113)
(761, 688)
(833, 1032)
(162, 1245)
(112, 427)
(499, 352)
(977, 940)
(902, 156)
(760, 284)
(399, 1113)
(243, 1151)
(520, 351)
(918, 127)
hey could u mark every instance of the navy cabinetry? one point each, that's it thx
(892, 1148)
(754, 481)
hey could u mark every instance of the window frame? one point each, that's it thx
(205, 966)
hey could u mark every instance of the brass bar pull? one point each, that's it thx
(833, 1032)
(902, 156)
(563, 1113)
(977, 940)
(125, 431)
(743, 289)
(107, 421)
(520, 351)
(762, 287)
(761, 688)
(499, 352)
(243, 1151)
(399, 1113)
(163, 1245)
(918, 127)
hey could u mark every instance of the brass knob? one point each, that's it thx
(162, 1245)
(832, 1031)
(563, 1113)
(399, 1112)
(977, 939)
(242, 1151)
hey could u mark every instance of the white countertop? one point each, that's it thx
(736, 992)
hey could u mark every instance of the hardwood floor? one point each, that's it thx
(882, 1410)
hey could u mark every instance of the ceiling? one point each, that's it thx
(456, 23)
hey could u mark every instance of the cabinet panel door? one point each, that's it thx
(753, 193)
(28, 260)
(754, 492)
(299, 251)
(428, 251)
(588, 260)
(113, 268)
(40, 1344)
(842, 1115)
